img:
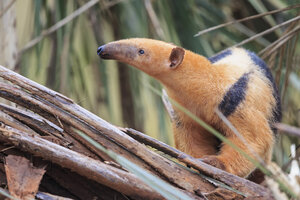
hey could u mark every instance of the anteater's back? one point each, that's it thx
(253, 84)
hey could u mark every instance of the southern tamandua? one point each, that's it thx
(236, 81)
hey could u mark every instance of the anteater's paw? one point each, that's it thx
(214, 161)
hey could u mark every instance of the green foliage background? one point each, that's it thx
(66, 60)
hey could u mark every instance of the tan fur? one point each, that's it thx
(200, 86)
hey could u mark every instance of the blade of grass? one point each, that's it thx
(6, 194)
(240, 136)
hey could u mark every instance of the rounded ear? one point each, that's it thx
(176, 57)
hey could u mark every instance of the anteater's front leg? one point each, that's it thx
(258, 138)
(194, 140)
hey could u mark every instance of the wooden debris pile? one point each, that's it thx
(43, 155)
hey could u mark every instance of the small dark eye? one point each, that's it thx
(141, 51)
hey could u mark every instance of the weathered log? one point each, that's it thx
(34, 122)
(123, 182)
(61, 181)
(58, 115)
(39, 147)
(28, 121)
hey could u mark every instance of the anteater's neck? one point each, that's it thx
(194, 82)
(194, 75)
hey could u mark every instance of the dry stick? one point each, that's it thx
(64, 108)
(245, 19)
(248, 32)
(289, 30)
(9, 120)
(45, 127)
(278, 43)
(288, 163)
(273, 51)
(64, 21)
(6, 8)
(123, 182)
(34, 121)
(143, 138)
(245, 186)
(291, 130)
(266, 31)
(154, 19)
(168, 105)
(8, 148)
(47, 196)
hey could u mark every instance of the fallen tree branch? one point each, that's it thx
(56, 115)
(124, 182)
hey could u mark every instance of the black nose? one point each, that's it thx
(100, 49)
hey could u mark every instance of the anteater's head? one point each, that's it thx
(151, 56)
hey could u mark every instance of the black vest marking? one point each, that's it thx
(220, 56)
(265, 69)
(234, 96)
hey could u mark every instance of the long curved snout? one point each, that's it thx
(117, 51)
